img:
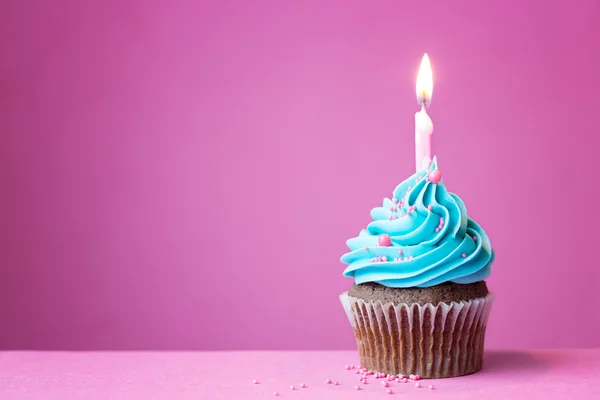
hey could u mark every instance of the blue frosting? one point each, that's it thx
(432, 252)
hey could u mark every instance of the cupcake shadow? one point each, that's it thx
(511, 361)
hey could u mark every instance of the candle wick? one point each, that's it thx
(424, 99)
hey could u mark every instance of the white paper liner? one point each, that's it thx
(430, 341)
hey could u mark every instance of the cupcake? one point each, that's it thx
(419, 304)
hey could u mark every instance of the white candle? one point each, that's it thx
(423, 124)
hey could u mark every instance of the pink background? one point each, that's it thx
(179, 175)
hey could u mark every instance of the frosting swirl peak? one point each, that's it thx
(431, 238)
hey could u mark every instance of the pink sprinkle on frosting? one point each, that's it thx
(435, 176)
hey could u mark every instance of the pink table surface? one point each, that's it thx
(526, 374)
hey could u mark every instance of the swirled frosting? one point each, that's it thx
(432, 238)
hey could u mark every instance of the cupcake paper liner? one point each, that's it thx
(430, 341)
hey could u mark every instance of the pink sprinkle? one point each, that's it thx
(410, 257)
(383, 258)
(418, 384)
(384, 240)
(431, 387)
(369, 372)
(392, 208)
(352, 366)
(384, 384)
(366, 248)
(435, 176)
(275, 393)
(404, 380)
(437, 229)
(303, 385)
(475, 238)
(292, 387)
(412, 377)
(336, 383)
(464, 255)
(398, 380)
(429, 208)
(395, 200)
(256, 382)
(327, 381)
(410, 187)
(346, 367)
(390, 218)
(427, 180)
(417, 377)
(389, 391)
(357, 387)
(399, 252)
(441, 219)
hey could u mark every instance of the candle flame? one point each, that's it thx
(424, 82)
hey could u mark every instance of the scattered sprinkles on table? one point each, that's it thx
(364, 373)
